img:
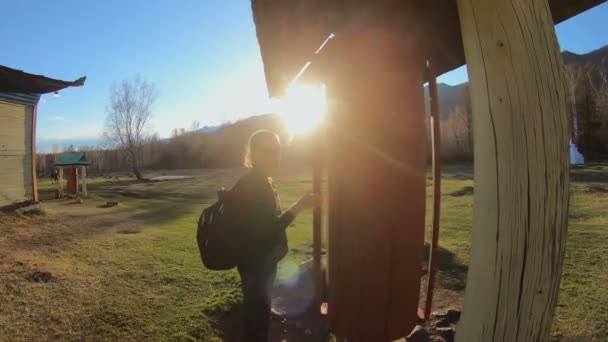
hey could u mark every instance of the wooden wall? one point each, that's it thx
(15, 153)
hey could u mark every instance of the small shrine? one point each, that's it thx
(76, 164)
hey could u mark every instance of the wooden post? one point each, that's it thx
(84, 181)
(317, 223)
(60, 182)
(436, 147)
(521, 170)
(33, 137)
(376, 166)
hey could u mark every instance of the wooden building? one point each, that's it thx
(374, 73)
(19, 95)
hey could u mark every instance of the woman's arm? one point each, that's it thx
(259, 210)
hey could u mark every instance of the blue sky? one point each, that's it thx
(202, 55)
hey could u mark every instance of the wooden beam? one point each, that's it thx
(60, 182)
(436, 148)
(521, 170)
(377, 176)
(84, 181)
(317, 225)
(33, 137)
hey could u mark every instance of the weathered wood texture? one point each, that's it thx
(16, 181)
(521, 170)
(376, 173)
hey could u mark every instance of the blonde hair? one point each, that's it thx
(257, 141)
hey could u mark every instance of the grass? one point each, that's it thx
(132, 272)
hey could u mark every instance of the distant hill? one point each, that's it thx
(210, 129)
(451, 96)
(593, 57)
(223, 145)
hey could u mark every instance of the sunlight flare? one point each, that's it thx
(303, 108)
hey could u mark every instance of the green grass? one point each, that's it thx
(133, 272)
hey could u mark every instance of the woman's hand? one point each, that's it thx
(307, 201)
(310, 200)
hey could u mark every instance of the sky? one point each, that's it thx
(202, 55)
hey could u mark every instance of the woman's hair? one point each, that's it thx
(259, 142)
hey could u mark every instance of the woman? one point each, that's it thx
(263, 239)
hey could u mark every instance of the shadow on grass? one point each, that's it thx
(452, 275)
(221, 316)
(163, 212)
(589, 174)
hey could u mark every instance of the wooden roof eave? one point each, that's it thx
(289, 31)
(17, 81)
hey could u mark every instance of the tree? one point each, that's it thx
(599, 89)
(196, 125)
(129, 113)
(573, 79)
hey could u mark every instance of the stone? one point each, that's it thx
(446, 333)
(453, 315)
(442, 323)
(419, 334)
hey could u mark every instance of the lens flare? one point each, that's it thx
(303, 108)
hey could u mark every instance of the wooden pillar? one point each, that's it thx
(521, 170)
(60, 182)
(376, 174)
(317, 222)
(33, 142)
(436, 155)
(84, 181)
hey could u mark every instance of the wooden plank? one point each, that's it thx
(12, 145)
(32, 141)
(377, 176)
(14, 161)
(60, 182)
(317, 216)
(436, 155)
(84, 181)
(521, 170)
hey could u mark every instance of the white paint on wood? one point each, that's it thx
(521, 170)
(15, 153)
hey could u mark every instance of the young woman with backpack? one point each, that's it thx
(263, 240)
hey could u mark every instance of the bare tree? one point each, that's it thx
(129, 114)
(599, 88)
(574, 75)
(195, 126)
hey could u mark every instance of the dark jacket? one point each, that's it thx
(262, 234)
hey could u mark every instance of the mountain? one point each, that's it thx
(210, 129)
(593, 57)
(451, 96)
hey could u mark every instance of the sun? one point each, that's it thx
(303, 108)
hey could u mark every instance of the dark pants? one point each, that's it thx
(257, 282)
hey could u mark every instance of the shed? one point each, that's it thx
(19, 96)
(374, 73)
(77, 163)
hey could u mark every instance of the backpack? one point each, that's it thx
(217, 235)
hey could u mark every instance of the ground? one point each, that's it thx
(132, 272)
